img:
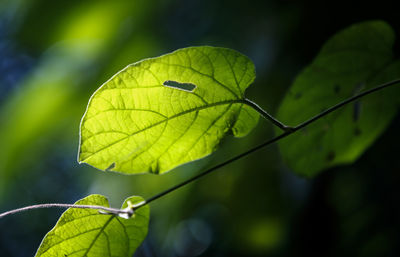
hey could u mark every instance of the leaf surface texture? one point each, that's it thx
(162, 112)
(354, 60)
(86, 232)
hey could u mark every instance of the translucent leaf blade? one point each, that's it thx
(162, 112)
(86, 232)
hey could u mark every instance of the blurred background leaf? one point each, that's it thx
(54, 54)
(354, 60)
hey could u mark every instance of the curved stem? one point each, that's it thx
(62, 205)
(288, 131)
(266, 115)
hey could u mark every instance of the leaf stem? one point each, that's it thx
(288, 131)
(266, 115)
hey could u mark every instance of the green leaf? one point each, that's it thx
(355, 59)
(86, 232)
(162, 112)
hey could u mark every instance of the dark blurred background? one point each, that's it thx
(54, 54)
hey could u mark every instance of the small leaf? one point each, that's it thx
(354, 60)
(162, 112)
(87, 232)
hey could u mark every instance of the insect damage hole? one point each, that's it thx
(188, 87)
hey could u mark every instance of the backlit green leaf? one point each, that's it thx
(86, 232)
(354, 60)
(162, 112)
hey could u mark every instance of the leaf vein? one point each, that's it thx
(231, 67)
(186, 130)
(172, 117)
(206, 75)
(98, 235)
(212, 124)
(126, 234)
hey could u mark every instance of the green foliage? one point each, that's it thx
(162, 112)
(86, 232)
(47, 80)
(355, 59)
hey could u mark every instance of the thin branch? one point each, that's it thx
(288, 131)
(349, 100)
(62, 205)
(237, 157)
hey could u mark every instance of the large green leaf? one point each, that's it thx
(162, 112)
(355, 59)
(86, 232)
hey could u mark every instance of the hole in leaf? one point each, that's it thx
(188, 87)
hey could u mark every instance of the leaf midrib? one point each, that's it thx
(98, 234)
(234, 101)
(87, 231)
